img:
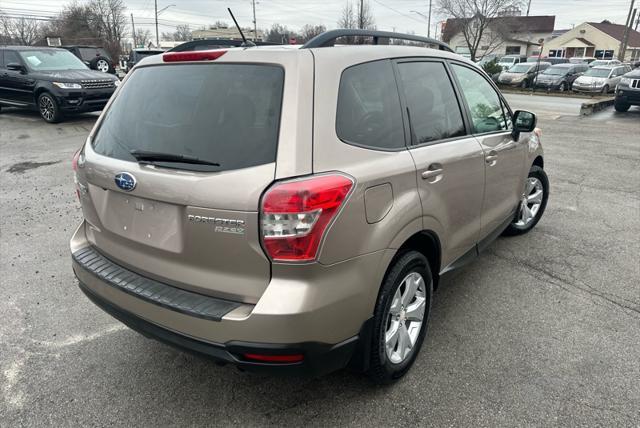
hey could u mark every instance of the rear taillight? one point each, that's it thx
(295, 215)
(192, 56)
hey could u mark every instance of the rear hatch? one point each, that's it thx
(191, 221)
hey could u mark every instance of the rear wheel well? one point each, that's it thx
(539, 162)
(428, 244)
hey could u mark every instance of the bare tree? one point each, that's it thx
(96, 22)
(110, 22)
(281, 34)
(220, 24)
(308, 32)
(365, 16)
(182, 33)
(20, 31)
(359, 17)
(475, 19)
(348, 17)
(143, 37)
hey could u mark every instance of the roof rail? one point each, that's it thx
(328, 38)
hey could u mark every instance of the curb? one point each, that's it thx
(591, 107)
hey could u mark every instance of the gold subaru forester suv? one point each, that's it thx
(293, 209)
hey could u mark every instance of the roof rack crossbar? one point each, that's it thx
(328, 38)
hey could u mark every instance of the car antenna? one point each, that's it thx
(245, 43)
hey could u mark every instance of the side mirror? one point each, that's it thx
(523, 121)
(16, 67)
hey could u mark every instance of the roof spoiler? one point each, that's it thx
(328, 38)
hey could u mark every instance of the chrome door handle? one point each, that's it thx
(431, 173)
(491, 158)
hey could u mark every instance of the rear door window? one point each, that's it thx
(223, 113)
(368, 112)
(11, 57)
(433, 108)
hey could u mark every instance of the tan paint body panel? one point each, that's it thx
(378, 201)
(302, 303)
(454, 198)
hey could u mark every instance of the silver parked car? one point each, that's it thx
(292, 210)
(523, 74)
(600, 79)
(604, 63)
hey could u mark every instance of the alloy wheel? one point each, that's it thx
(531, 202)
(103, 66)
(47, 109)
(405, 318)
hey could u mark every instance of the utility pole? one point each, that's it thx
(627, 26)
(157, 36)
(255, 24)
(361, 16)
(429, 20)
(528, 7)
(133, 32)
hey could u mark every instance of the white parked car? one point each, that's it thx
(600, 79)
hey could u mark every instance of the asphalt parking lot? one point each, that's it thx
(542, 329)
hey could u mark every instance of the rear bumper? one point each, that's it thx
(314, 310)
(319, 358)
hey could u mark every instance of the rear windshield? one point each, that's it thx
(556, 71)
(521, 68)
(223, 113)
(598, 72)
(90, 53)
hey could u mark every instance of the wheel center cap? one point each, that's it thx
(403, 315)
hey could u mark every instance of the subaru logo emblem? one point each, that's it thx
(125, 181)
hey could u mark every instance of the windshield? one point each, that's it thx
(521, 68)
(507, 60)
(225, 113)
(51, 60)
(598, 72)
(553, 71)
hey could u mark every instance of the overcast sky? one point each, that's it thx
(389, 14)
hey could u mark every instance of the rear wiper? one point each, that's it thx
(144, 156)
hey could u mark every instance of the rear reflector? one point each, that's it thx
(293, 358)
(192, 56)
(296, 215)
(74, 161)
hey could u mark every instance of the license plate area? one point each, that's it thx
(153, 223)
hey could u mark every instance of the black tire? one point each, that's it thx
(621, 107)
(563, 87)
(514, 227)
(605, 89)
(49, 108)
(382, 370)
(524, 84)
